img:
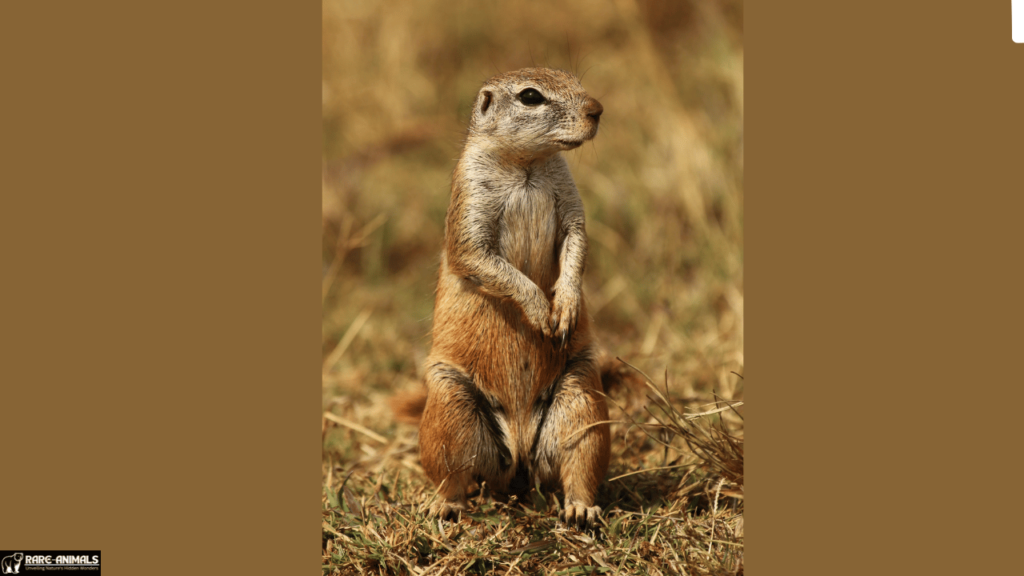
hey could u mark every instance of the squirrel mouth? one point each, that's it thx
(570, 144)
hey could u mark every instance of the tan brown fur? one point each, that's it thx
(513, 383)
(407, 406)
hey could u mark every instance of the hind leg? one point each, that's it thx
(460, 438)
(571, 447)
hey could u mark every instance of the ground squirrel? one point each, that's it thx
(513, 382)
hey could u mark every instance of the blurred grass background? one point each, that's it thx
(662, 185)
(662, 182)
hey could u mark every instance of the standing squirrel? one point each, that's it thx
(514, 392)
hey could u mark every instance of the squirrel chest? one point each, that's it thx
(529, 234)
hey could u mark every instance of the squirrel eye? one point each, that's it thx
(531, 97)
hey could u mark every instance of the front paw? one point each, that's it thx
(565, 311)
(538, 312)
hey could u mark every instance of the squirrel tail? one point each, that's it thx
(615, 375)
(408, 406)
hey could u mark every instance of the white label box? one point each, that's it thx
(1017, 15)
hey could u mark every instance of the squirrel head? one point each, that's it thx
(533, 113)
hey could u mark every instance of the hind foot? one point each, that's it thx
(448, 509)
(580, 516)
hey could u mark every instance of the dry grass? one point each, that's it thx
(662, 185)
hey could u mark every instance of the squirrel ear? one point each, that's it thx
(485, 101)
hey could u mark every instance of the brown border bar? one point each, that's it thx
(883, 188)
(159, 224)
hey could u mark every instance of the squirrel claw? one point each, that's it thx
(580, 516)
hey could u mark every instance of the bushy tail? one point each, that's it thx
(408, 406)
(617, 376)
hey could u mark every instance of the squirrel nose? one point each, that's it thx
(594, 109)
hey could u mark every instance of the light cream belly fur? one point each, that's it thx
(529, 237)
